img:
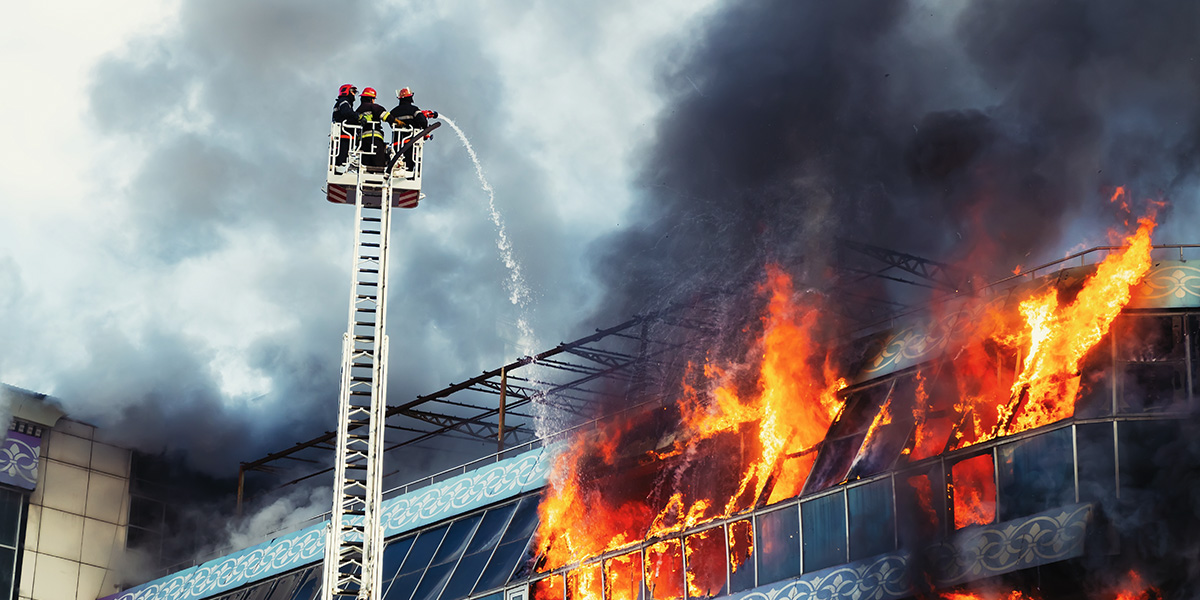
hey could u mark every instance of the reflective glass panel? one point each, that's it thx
(1140, 454)
(1036, 474)
(286, 585)
(312, 584)
(415, 563)
(446, 558)
(664, 570)
(512, 546)
(741, 551)
(705, 552)
(778, 545)
(1097, 449)
(394, 554)
(1151, 363)
(10, 516)
(824, 521)
(833, 462)
(872, 519)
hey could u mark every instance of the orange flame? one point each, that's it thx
(790, 409)
(973, 485)
(1057, 338)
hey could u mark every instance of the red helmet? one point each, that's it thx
(368, 93)
(347, 90)
(403, 93)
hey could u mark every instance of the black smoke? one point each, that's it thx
(989, 134)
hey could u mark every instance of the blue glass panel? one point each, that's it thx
(286, 585)
(502, 565)
(308, 590)
(1036, 474)
(433, 582)
(824, 532)
(260, 591)
(778, 545)
(872, 519)
(1097, 461)
(467, 573)
(11, 503)
(512, 545)
(393, 556)
(422, 551)
(402, 588)
(456, 540)
(489, 532)
(524, 522)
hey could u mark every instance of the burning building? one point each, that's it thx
(1028, 440)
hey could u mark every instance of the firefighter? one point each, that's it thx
(372, 117)
(408, 120)
(343, 112)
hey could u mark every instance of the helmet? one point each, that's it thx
(403, 93)
(347, 90)
(368, 93)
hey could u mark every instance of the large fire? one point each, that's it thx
(747, 433)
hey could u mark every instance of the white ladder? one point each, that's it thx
(354, 548)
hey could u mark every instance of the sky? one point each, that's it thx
(170, 270)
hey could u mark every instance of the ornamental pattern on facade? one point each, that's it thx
(975, 553)
(499, 481)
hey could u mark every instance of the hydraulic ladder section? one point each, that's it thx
(354, 548)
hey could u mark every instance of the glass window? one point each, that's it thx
(260, 591)
(585, 583)
(415, 563)
(1095, 397)
(824, 536)
(1036, 474)
(483, 543)
(1151, 363)
(8, 565)
(1141, 443)
(920, 504)
(833, 462)
(286, 585)
(741, 550)
(778, 545)
(550, 588)
(1096, 447)
(512, 548)
(11, 504)
(664, 570)
(447, 557)
(872, 519)
(394, 553)
(888, 432)
(310, 586)
(624, 577)
(973, 491)
(705, 553)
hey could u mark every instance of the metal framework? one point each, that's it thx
(354, 549)
(574, 380)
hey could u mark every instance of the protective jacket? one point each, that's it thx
(343, 111)
(372, 117)
(406, 116)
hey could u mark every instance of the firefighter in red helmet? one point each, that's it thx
(343, 112)
(372, 117)
(409, 119)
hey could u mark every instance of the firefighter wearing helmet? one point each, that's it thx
(343, 113)
(372, 117)
(408, 120)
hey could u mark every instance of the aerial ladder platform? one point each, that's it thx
(354, 548)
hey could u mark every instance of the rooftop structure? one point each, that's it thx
(880, 512)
